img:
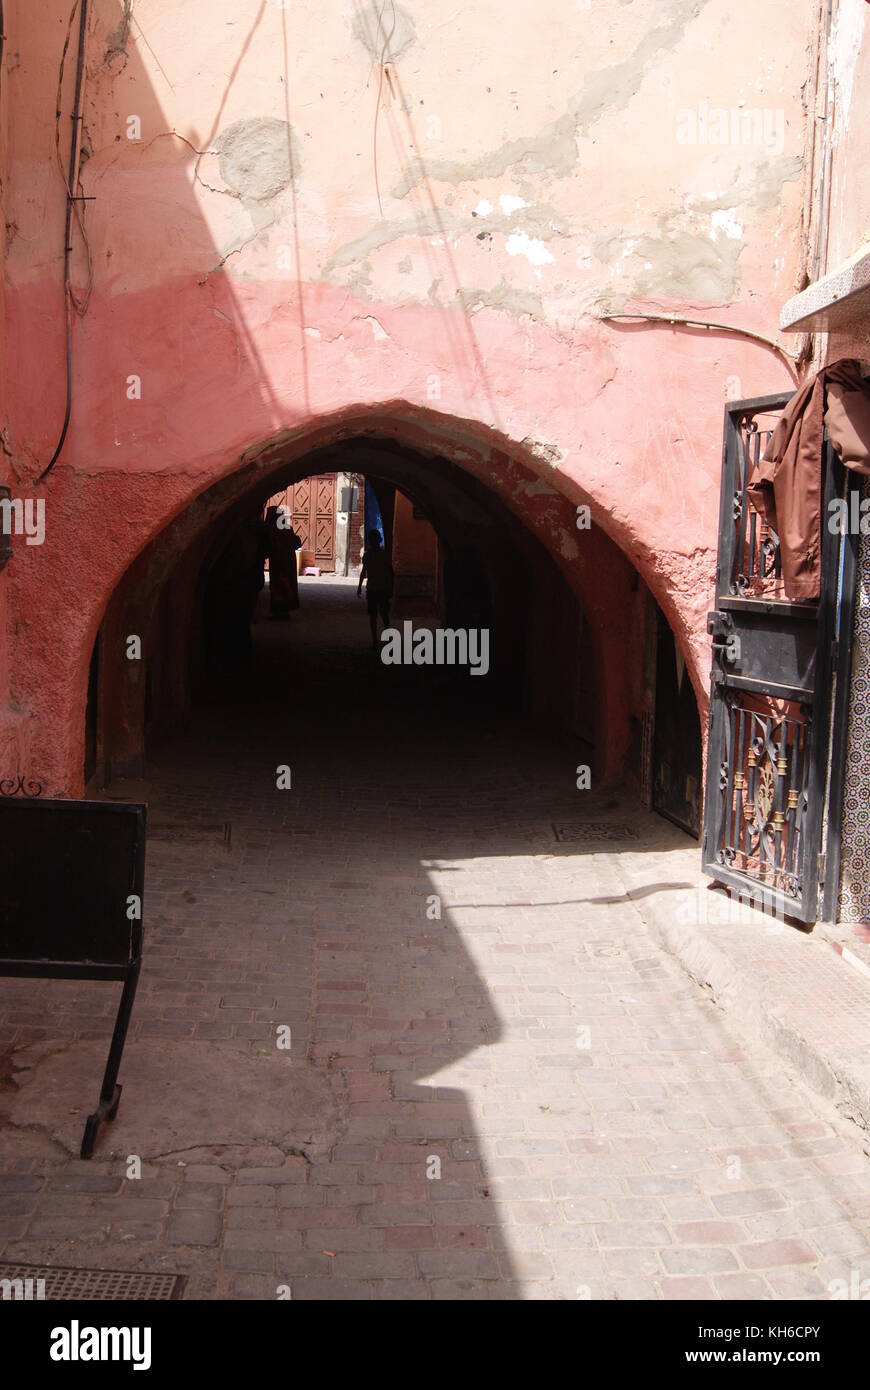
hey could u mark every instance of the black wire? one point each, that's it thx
(67, 236)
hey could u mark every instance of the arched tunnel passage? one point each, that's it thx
(487, 578)
(576, 644)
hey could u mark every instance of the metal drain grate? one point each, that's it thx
(588, 830)
(89, 1285)
(192, 832)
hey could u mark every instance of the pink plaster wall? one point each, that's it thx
(415, 542)
(848, 196)
(531, 178)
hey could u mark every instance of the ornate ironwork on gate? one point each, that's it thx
(763, 783)
(775, 662)
(19, 785)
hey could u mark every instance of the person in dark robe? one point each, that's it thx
(377, 572)
(231, 596)
(282, 543)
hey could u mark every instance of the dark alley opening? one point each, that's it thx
(595, 671)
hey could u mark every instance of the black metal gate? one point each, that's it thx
(676, 742)
(775, 662)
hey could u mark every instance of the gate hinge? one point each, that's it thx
(719, 624)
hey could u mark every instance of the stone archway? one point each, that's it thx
(129, 541)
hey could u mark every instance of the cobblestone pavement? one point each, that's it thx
(599, 1128)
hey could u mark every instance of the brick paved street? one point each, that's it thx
(601, 1129)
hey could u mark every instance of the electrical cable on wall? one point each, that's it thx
(71, 302)
(80, 305)
(388, 38)
(683, 322)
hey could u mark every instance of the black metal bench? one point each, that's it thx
(72, 876)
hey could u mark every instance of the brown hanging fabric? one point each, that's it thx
(786, 484)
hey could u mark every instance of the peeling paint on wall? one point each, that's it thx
(846, 40)
(543, 450)
(534, 250)
(116, 42)
(724, 220)
(440, 224)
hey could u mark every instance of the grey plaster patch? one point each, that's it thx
(257, 157)
(504, 297)
(359, 279)
(608, 246)
(541, 221)
(686, 265)
(689, 264)
(116, 42)
(554, 149)
(612, 88)
(384, 29)
(677, 263)
(758, 184)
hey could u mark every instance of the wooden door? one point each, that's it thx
(311, 504)
(323, 522)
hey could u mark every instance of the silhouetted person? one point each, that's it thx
(234, 585)
(282, 543)
(378, 574)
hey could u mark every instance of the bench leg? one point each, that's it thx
(110, 1094)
